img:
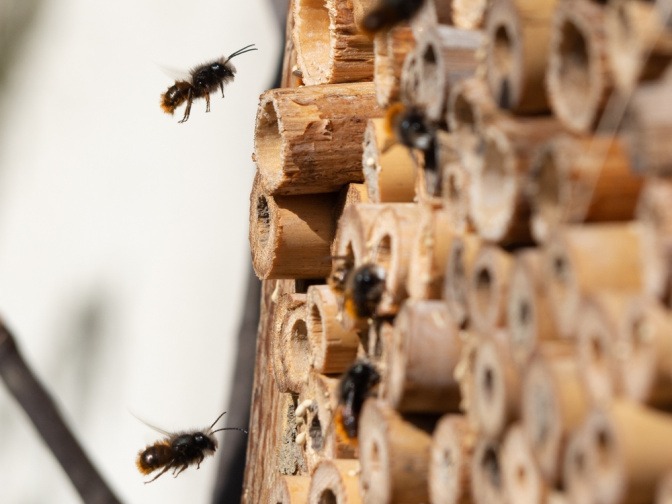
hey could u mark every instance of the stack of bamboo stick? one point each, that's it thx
(524, 334)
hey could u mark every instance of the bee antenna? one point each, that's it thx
(217, 420)
(229, 428)
(242, 50)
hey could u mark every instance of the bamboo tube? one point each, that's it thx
(518, 33)
(353, 194)
(528, 311)
(442, 56)
(469, 14)
(578, 77)
(499, 208)
(638, 46)
(287, 304)
(389, 246)
(389, 51)
(429, 254)
(489, 288)
(290, 236)
(333, 348)
(394, 457)
(389, 168)
(335, 481)
(465, 374)
(451, 452)
(377, 347)
(577, 461)
(290, 457)
(598, 343)
(293, 344)
(459, 271)
(291, 75)
(331, 119)
(353, 228)
(664, 489)
(553, 404)
(496, 386)
(455, 182)
(431, 14)
(645, 364)
(520, 474)
(323, 24)
(584, 179)
(572, 269)
(487, 484)
(630, 447)
(425, 350)
(290, 490)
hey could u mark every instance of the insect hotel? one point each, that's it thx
(522, 330)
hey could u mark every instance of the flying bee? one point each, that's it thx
(202, 81)
(355, 386)
(364, 287)
(388, 13)
(179, 450)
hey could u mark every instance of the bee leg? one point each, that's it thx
(198, 462)
(163, 471)
(187, 110)
(175, 475)
(221, 86)
(207, 102)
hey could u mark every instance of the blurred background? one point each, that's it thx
(123, 234)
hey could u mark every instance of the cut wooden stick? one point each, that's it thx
(630, 450)
(528, 312)
(520, 473)
(429, 255)
(333, 348)
(449, 469)
(330, 119)
(425, 350)
(330, 48)
(586, 179)
(290, 236)
(335, 481)
(291, 490)
(571, 268)
(394, 456)
(518, 34)
(390, 49)
(488, 288)
(459, 271)
(487, 481)
(293, 346)
(554, 403)
(286, 304)
(578, 77)
(469, 14)
(442, 56)
(389, 168)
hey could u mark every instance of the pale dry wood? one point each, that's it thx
(291, 459)
(469, 14)
(394, 457)
(290, 236)
(664, 489)
(309, 139)
(487, 483)
(459, 270)
(425, 350)
(429, 183)
(285, 304)
(291, 75)
(389, 50)
(353, 228)
(333, 348)
(455, 180)
(518, 34)
(431, 14)
(293, 345)
(290, 490)
(330, 48)
(578, 482)
(581, 179)
(453, 443)
(522, 478)
(389, 168)
(578, 76)
(335, 481)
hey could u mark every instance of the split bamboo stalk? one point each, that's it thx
(496, 400)
(586, 179)
(429, 254)
(554, 403)
(352, 194)
(335, 481)
(329, 119)
(394, 457)
(499, 207)
(664, 489)
(330, 48)
(442, 56)
(293, 345)
(469, 14)
(466, 376)
(389, 168)
(290, 236)
(425, 350)
(488, 288)
(578, 76)
(353, 228)
(332, 347)
(520, 473)
(599, 347)
(286, 304)
(572, 270)
(630, 447)
(455, 181)
(459, 271)
(645, 364)
(390, 49)
(449, 469)
(487, 482)
(528, 311)
(290, 490)
(389, 245)
(639, 46)
(577, 478)
(518, 34)
(291, 75)
(290, 456)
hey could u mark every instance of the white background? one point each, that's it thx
(123, 234)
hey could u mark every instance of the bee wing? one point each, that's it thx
(157, 429)
(176, 74)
